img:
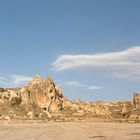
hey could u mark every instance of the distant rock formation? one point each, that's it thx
(136, 101)
(42, 99)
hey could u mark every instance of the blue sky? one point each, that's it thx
(90, 47)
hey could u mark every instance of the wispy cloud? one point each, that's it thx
(20, 79)
(14, 80)
(122, 64)
(95, 88)
(74, 84)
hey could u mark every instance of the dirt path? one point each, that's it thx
(70, 131)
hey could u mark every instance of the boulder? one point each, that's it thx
(30, 114)
(7, 117)
(133, 116)
(8, 94)
(125, 110)
(80, 113)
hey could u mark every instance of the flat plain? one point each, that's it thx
(69, 131)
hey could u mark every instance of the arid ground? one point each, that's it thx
(40, 111)
(69, 131)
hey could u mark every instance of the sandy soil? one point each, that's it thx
(70, 131)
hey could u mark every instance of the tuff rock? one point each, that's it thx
(44, 94)
(43, 99)
(136, 101)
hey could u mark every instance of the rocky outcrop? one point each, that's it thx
(96, 108)
(42, 99)
(7, 94)
(136, 101)
(44, 94)
(125, 109)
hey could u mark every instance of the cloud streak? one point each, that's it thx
(122, 64)
(20, 79)
(95, 88)
(76, 84)
(14, 80)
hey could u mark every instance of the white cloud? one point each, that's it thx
(95, 88)
(14, 80)
(74, 84)
(20, 79)
(122, 64)
(80, 85)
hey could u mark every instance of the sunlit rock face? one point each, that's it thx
(44, 94)
(136, 101)
(7, 94)
(42, 99)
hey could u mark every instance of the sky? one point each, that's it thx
(90, 47)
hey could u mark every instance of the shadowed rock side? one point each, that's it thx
(41, 99)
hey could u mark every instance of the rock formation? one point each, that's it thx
(42, 99)
(136, 101)
(44, 94)
(7, 94)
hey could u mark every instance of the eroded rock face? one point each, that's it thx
(8, 94)
(59, 90)
(136, 101)
(96, 108)
(41, 98)
(125, 110)
(44, 94)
